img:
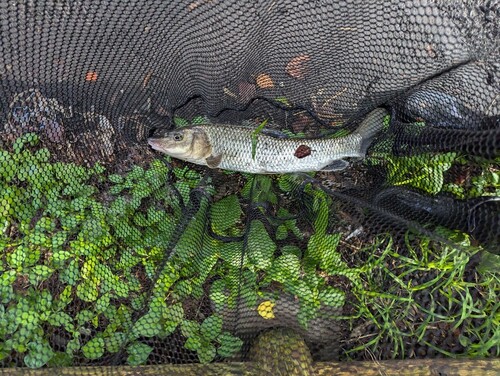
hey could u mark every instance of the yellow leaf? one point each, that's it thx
(265, 309)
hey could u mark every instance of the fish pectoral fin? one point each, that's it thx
(337, 165)
(213, 161)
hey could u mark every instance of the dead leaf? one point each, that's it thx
(229, 93)
(301, 122)
(147, 78)
(302, 151)
(264, 81)
(91, 76)
(297, 67)
(195, 4)
(246, 91)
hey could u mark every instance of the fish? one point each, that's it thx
(233, 147)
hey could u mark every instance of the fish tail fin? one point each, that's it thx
(371, 125)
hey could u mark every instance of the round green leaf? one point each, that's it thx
(94, 348)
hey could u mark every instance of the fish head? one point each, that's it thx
(190, 143)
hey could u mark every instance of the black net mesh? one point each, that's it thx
(115, 254)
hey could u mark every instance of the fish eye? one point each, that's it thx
(178, 137)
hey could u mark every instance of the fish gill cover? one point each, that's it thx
(115, 254)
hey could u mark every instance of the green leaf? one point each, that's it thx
(200, 120)
(114, 178)
(183, 289)
(94, 349)
(84, 316)
(39, 273)
(464, 341)
(490, 263)
(281, 232)
(71, 274)
(7, 278)
(87, 291)
(147, 326)
(73, 345)
(285, 269)
(211, 327)
(260, 247)
(332, 297)
(232, 253)
(425, 171)
(206, 353)
(218, 294)
(60, 359)
(16, 259)
(190, 328)
(138, 353)
(42, 155)
(115, 342)
(62, 319)
(193, 343)
(180, 122)
(65, 297)
(173, 316)
(225, 213)
(322, 250)
(255, 136)
(291, 250)
(39, 353)
(102, 303)
(283, 100)
(59, 238)
(229, 345)
(206, 258)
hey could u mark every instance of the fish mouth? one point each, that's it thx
(155, 143)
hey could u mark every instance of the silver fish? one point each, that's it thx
(230, 147)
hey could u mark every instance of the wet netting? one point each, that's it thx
(116, 253)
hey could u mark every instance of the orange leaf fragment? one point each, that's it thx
(297, 67)
(264, 81)
(91, 76)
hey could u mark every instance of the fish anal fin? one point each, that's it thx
(337, 165)
(213, 161)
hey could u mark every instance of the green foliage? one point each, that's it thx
(425, 171)
(132, 264)
(91, 243)
(485, 181)
(225, 213)
(387, 296)
(208, 339)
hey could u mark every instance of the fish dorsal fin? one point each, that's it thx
(337, 165)
(213, 161)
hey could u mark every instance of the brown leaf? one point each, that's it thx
(302, 151)
(301, 122)
(91, 76)
(264, 81)
(297, 67)
(195, 4)
(246, 91)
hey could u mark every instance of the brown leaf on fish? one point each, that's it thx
(302, 151)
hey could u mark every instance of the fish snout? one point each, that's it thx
(155, 143)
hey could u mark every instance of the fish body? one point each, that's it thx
(231, 147)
